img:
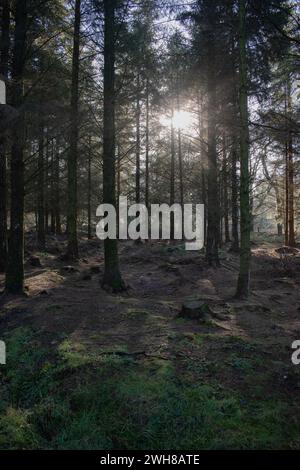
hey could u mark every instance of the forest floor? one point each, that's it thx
(87, 369)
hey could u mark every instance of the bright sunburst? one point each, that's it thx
(181, 120)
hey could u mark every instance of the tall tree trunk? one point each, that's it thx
(41, 188)
(204, 198)
(89, 204)
(46, 177)
(14, 282)
(225, 193)
(72, 251)
(112, 278)
(57, 191)
(147, 148)
(181, 189)
(202, 151)
(138, 144)
(213, 210)
(245, 252)
(52, 193)
(287, 198)
(291, 216)
(234, 201)
(172, 178)
(290, 174)
(4, 54)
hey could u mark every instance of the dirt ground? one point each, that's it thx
(143, 323)
(160, 277)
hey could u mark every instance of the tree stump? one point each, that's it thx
(195, 310)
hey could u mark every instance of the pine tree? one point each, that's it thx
(14, 281)
(4, 55)
(112, 278)
(245, 251)
(72, 251)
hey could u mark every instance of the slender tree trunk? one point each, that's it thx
(138, 144)
(52, 194)
(147, 148)
(225, 192)
(89, 205)
(41, 187)
(245, 253)
(213, 209)
(14, 282)
(181, 188)
(57, 191)
(234, 201)
(287, 197)
(291, 216)
(172, 178)
(204, 198)
(112, 278)
(46, 178)
(203, 171)
(4, 54)
(72, 251)
(290, 175)
(3, 204)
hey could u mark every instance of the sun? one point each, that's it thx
(182, 120)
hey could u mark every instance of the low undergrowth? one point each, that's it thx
(67, 398)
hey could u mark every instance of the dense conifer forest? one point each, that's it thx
(145, 340)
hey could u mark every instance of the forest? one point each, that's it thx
(139, 342)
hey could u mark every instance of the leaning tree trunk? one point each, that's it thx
(14, 282)
(72, 251)
(245, 252)
(112, 278)
(3, 180)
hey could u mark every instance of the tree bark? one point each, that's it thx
(172, 178)
(14, 282)
(245, 252)
(41, 195)
(138, 144)
(287, 198)
(89, 204)
(181, 188)
(225, 193)
(147, 148)
(112, 278)
(290, 176)
(4, 54)
(234, 201)
(72, 251)
(57, 191)
(213, 210)
(52, 190)
(291, 215)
